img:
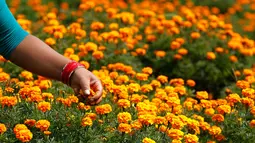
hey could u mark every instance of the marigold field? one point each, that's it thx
(173, 71)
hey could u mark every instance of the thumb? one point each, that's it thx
(85, 86)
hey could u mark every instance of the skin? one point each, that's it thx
(35, 56)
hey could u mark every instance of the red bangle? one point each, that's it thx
(68, 70)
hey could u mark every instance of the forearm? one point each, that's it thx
(34, 55)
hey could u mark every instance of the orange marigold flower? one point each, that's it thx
(233, 59)
(146, 88)
(135, 98)
(248, 101)
(24, 135)
(124, 117)
(44, 106)
(210, 56)
(182, 51)
(252, 123)
(30, 122)
(177, 81)
(222, 109)
(19, 127)
(136, 125)
(147, 70)
(195, 35)
(191, 82)
(160, 53)
(98, 55)
(86, 122)
(209, 111)
(162, 78)
(202, 95)
(50, 41)
(218, 118)
(142, 76)
(175, 45)
(8, 101)
(2, 128)
(148, 140)
(123, 127)
(140, 51)
(43, 125)
(133, 87)
(124, 103)
(177, 56)
(175, 134)
(242, 84)
(233, 98)
(189, 138)
(248, 92)
(103, 109)
(46, 133)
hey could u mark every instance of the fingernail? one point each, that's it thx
(87, 92)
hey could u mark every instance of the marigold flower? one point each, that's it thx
(195, 35)
(160, 53)
(43, 125)
(218, 118)
(44, 106)
(222, 109)
(98, 55)
(8, 101)
(242, 84)
(146, 88)
(123, 127)
(162, 78)
(147, 70)
(19, 127)
(30, 122)
(191, 82)
(124, 117)
(87, 121)
(209, 111)
(182, 51)
(148, 140)
(124, 103)
(210, 56)
(2, 128)
(103, 109)
(46, 133)
(175, 134)
(202, 95)
(214, 130)
(189, 138)
(252, 123)
(177, 81)
(136, 125)
(24, 135)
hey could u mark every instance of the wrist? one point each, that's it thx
(68, 70)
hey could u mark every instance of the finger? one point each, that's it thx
(85, 86)
(76, 91)
(97, 86)
(95, 102)
(99, 100)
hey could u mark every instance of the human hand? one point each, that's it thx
(84, 80)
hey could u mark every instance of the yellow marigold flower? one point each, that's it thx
(142, 76)
(181, 90)
(58, 34)
(214, 130)
(92, 116)
(86, 122)
(43, 125)
(210, 56)
(27, 75)
(233, 98)
(103, 109)
(19, 127)
(202, 95)
(98, 55)
(24, 135)
(252, 110)
(189, 138)
(90, 46)
(209, 111)
(123, 127)
(205, 103)
(147, 119)
(242, 84)
(218, 118)
(124, 117)
(123, 103)
(219, 50)
(4, 76)
(85, 64)
(148, 140)
(175, 134)
(30, 122)
(114, 26)
(222, 109)
(44, 106)
(50, 41)
(195, 35)
(248, 92)
(160, 120)
(2, 128)
(133, 87)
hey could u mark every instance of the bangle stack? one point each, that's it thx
(68, 70)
